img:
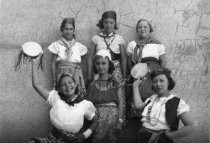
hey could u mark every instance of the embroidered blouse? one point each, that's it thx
(77, 49)
(114, 40)
(157, 119)
(149, 50)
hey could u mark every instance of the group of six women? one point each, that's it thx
(102, 105)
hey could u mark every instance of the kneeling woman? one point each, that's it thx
(162, 111)
(68, 110)
(106, 95)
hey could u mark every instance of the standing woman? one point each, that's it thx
(106, 95)
(108, 39)
(67, 54)
(146, 50)
(113, 42)
(162, 111)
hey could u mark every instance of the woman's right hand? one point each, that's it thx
(137, 82)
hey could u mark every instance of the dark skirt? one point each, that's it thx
(145, 89)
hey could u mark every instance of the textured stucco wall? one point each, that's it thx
(182, 26)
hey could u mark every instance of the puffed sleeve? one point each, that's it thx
(130, 48)
(83, 49)
(95, 39)
(90, 110)
(183, 107)
(53, 48)
(53, 97)
(161, 49)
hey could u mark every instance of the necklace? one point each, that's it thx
(157, 114)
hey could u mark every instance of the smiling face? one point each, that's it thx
(160, 85)
(109, 24)
(67, 86)
(102, 65)
(68, 31)
(143, 29)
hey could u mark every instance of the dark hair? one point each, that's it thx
(111, 65)
(167, 73)
(107, 14)
(69, 21)
(150, 26)
(63, 75)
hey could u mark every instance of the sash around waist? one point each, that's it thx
(113, 104)
(149, 59)
(67, 65)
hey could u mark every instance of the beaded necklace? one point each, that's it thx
(148, 117)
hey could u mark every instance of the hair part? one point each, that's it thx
(150, 26)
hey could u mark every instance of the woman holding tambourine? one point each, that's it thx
(146, 50)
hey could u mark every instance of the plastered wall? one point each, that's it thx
(182, 26)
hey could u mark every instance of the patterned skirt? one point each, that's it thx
(117, 74)
(107, 119)
(72, 68)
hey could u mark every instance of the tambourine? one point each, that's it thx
(29, 51)
(32, 49)
(140, 70)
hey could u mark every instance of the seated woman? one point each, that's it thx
(68, 110)
(162, 111)
(106, 95)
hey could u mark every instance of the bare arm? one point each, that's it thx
(35, 64)
(120, 103)
(123, 60)
(90, 60)
(94, 123)
(138, 104)
(184, 131)
(163, 60)
(53, 69)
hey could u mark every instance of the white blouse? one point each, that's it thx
(78, 50)
(114, 42)
(157, 116)
(69, 118)
(149, 50)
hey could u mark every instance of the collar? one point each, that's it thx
(106, 36)
(78, 98)
(66, 43)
